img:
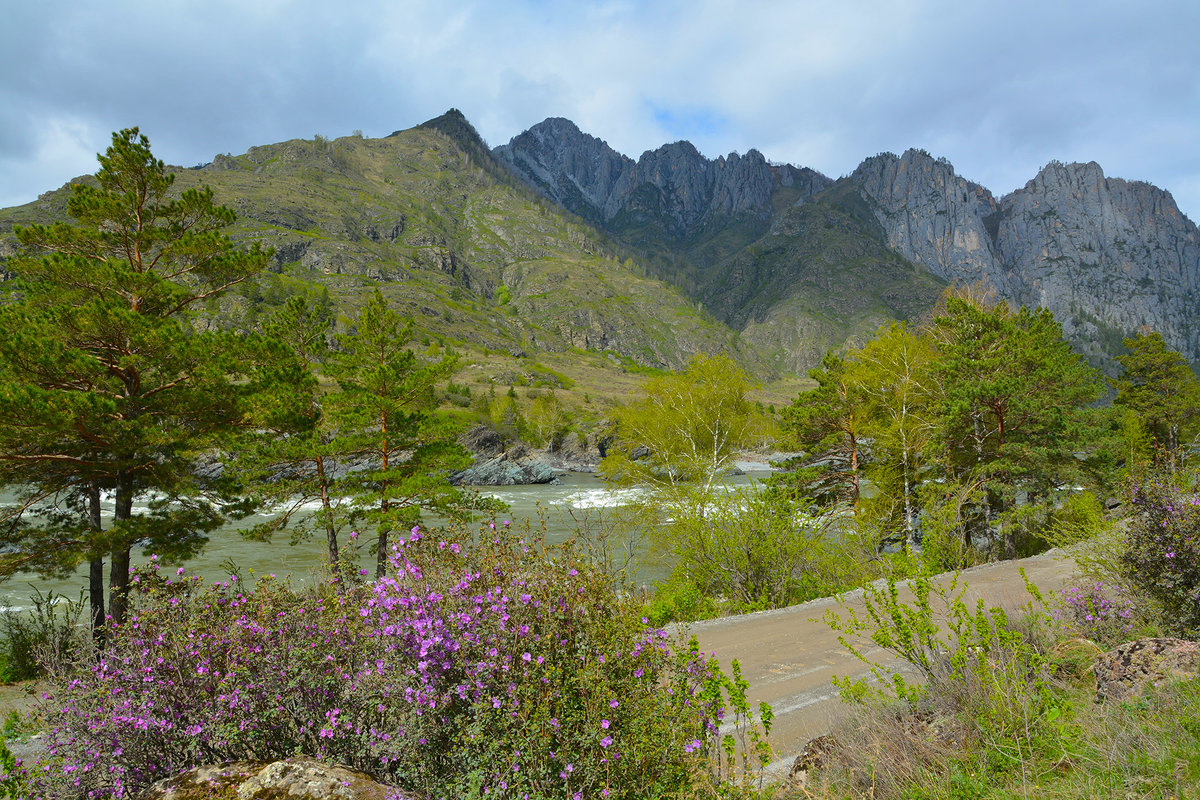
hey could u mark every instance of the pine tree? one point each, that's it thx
(1161, 390)
(829, 421)
(104, 384)
(1013, 397)
(293, 457)
(385, 414)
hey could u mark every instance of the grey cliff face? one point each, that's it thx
(578, 171)
(674, 182)
(1106, 256)
(1098, 252)
(1090, 247)
(932, 216)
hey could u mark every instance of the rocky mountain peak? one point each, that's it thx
(673, 186)
(578, 171)
(1108, 256)
(932, 216)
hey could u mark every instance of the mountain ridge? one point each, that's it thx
(671, 254)
(1106, 255)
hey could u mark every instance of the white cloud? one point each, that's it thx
(64, 149)
(999, 89)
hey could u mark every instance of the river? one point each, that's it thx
(577, 497)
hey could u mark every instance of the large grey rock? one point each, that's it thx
(1134, 667)
(297, 778)
(503, 470)
(1096, 249)
(932, 216)
(1106, 256)
(483, 440)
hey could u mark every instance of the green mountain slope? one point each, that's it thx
(820, 278)
(451, 238)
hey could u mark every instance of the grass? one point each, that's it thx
(1145, 749)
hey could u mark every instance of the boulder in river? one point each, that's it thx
(505, 470)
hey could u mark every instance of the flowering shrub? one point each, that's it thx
(486, 667)
(1097, 612)
(1162, 555)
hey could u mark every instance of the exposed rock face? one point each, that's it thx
(506, 469)
(673, 183)
(1107, 256)
(1135, 666)
(299, 777)
(578, 171)
(1092, 248)
(932, 216)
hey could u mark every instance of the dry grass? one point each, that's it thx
(1145, 749)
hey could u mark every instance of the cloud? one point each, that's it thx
(1000, 89)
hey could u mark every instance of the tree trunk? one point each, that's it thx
(118, 577)
(330, 531)
(854, 490)
(96, 571)
(381, 556)
(909, 525)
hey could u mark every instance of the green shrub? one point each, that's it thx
(679, 600)
(48, 629)
(983, 679)
(14, 777)
(1162, 553)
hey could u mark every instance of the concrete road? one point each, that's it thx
(790, 655)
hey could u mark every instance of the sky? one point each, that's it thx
(1000, 88)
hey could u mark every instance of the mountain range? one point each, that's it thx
(555, 242)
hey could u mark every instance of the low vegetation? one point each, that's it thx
(485, 664)
(1005, 703)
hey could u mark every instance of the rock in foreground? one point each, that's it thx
(297, 778)
(1135, 666)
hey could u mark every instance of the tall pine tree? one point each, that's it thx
(1161, 391)
(1013, 397)
(385, 414)
(105, 386)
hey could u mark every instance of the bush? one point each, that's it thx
(482, 665)
(1162, 555)
(752, 549)
(983, 692)
(49, 629)
(1098, 612)
(14, 778)
(679, 600)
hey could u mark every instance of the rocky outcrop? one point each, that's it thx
(298, 778)
(577, 171)
(511, 468)
(1102, 252)
(1134, 667)
(673, 185)
(932, 216)
(1107, 256)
